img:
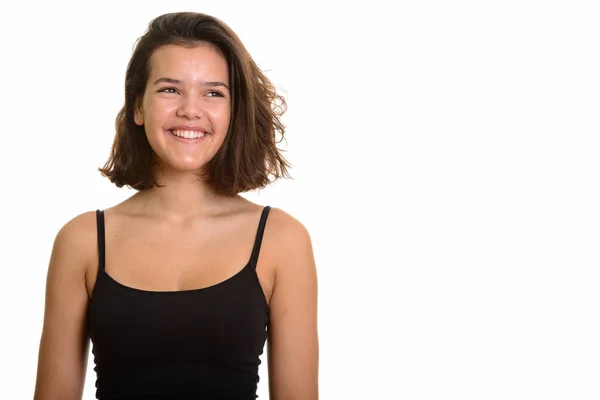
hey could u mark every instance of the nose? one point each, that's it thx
(190, 107)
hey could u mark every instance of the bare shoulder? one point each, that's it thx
(79, 229)
(77, 239)
(290, 247)
(288, 233)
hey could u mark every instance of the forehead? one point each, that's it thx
(200, 62)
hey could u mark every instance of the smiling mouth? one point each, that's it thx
(187, 134)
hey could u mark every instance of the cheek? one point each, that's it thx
(221, 116)
(158, 113)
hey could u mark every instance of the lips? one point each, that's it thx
(188, 134)
(193, 128)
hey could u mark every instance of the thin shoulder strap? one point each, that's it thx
(259, 236)
(100, 230)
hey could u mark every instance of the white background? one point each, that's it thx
(446, 165)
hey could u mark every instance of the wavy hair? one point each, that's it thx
(249, 157)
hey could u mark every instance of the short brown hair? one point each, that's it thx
(249, 156)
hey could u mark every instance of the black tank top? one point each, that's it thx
(192, 344)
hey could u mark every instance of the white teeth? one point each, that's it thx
(188, 134)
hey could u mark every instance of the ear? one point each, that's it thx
(138, 115)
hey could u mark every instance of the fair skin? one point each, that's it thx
(211, 234)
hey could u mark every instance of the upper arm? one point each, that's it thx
(62, 358)
(293, 349)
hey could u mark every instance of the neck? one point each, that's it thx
(181, 197)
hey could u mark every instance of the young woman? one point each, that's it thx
(180, 286)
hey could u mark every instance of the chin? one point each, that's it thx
(180, 166)
(196, 168)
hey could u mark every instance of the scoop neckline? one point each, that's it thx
(172, 292)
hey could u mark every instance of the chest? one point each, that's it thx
(162, 258)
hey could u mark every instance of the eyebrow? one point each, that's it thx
(177, 81)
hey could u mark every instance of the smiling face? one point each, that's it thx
(185, 109)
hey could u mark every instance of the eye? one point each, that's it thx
(215, 93)
(168, 90)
